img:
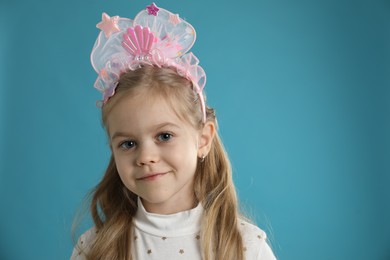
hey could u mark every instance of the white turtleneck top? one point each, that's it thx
(176, 236)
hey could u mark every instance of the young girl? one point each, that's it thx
(167, 192)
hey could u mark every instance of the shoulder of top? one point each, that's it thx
(254, 241)
(83, 244)
(88, 236)
(250, 231)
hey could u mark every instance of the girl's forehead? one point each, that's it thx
(142, 112)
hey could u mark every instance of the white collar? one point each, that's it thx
(172, 225)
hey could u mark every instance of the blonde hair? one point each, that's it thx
(113, 206)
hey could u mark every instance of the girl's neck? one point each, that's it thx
(172, 206)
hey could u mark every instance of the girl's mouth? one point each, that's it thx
(151, 176)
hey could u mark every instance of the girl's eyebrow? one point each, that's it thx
(157, 127)
(162, 125)
(119, 134)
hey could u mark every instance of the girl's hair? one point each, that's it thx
(113, 206)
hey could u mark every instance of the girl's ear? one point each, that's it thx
(206, 139)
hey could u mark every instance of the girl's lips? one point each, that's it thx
(151, 177)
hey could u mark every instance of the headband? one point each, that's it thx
(155, 37)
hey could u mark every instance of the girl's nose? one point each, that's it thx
(147, 154)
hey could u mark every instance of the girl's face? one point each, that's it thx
(155, 152)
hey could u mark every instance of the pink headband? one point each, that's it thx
(155, 37)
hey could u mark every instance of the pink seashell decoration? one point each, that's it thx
(138, 41)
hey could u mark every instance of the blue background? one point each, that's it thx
(302, 94)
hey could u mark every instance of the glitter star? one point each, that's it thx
(108, 24)
(174, 19)
(152, 9)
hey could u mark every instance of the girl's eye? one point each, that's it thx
(126, 145)
(164, 137)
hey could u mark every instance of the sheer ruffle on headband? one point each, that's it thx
(155, 37)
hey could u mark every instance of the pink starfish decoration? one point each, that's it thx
(152, 9)
(174, 19)
(108, 24)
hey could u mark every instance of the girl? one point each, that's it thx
(167, 192)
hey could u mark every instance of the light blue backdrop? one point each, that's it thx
(302, 94)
